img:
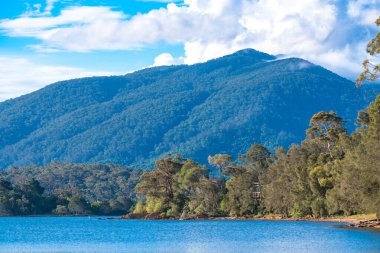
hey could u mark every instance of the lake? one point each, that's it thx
(83, 234)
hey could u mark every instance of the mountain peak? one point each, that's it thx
(238, 59)
(251, 53)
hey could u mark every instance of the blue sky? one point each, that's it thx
(43, 41)
(98, 60)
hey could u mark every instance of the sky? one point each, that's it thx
(44, 41)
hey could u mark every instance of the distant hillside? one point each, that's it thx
(223, 105)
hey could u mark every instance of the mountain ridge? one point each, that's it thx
(223, 105)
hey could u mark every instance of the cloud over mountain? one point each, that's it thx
(318, 30)
(20, 75)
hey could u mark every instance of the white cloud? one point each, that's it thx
(167, 59)
(76, 29)
(50, 5)
(212, 28)
(364, 11)
(36, 9)
(19, 76)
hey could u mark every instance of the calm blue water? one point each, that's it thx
(83, 234)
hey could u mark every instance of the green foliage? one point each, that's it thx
(178, 188)
(68, 189)
(221, 161)
(331, 172)
(326, 129)
(371, 70)
(139, 208)
(360, 168)
(344, 178)
(27, 199)
(240, 198)
(245, 182)
(206, 200)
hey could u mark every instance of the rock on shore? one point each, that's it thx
(373, 223)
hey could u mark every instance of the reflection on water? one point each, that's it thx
(81, 234)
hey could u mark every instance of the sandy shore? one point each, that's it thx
(351, 222)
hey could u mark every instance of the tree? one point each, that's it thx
(205, 202)
(371, 119)
(371, 70)
(178, 188)
(278, 185)
(160, 181)
(257, 160)
(244, 181)
(6, 190)
(257, 156)
(241, 189)
(34, 202)
(220, 161)
(33, 188)
(159, 188)
(189, 176)
(366, 156)
(326, 128)
(78, 206)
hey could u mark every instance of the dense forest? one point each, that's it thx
(330, 173)
(67, 189)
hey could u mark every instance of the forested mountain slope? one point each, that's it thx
(223, 105)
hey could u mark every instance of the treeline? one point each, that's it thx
(67, 189)
(331, 172)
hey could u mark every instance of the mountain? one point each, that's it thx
(223, 105)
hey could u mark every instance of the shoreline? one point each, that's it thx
(349, 222)
(354, 223)
(327, 219)
(342, 220)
